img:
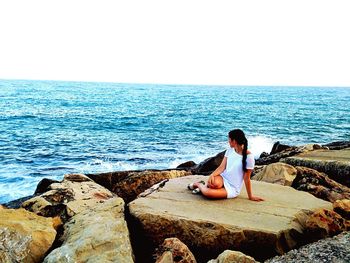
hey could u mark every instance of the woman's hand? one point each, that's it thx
(210, 180)
(256, 198)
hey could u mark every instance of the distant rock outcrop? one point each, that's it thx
(278, 147)
(337, 145)
(335, 163)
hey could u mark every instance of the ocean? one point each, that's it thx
(50, 128)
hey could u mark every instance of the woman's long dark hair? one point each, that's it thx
(239, 136)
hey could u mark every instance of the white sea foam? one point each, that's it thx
(106, 165)
(259, 144)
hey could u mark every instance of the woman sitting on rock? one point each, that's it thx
(226, 181)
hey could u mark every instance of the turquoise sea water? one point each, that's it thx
(49, 128)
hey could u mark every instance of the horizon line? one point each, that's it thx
(176, 84)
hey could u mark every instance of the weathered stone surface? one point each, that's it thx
(209, 227)
(319, 185)
(179, 252)
(335, 163)
(74, 194)
(24, 236)
(257, 169)
(129, 184)
(229, 256)
(336, 249)
(209, 165)
(324, 223)
(98, 234)
(342, 207)
(277, 173)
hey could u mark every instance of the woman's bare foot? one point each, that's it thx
(195, 185)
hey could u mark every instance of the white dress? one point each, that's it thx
(233, 174)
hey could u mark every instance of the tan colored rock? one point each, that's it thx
(342, 207)
(213, 226)
(229, 256)
(166, 257)
(311, 147)
(129, 184)
(24, 236)
(98, 234)
(277, 173)
(73, 195)
(179, 252)
(324, 223)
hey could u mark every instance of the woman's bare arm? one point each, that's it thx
(221, 167)
(248, 186)
(217, 171)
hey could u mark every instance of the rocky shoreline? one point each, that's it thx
(150, 216)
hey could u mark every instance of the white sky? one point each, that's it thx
(246, 42)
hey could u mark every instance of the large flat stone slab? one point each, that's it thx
(208, 227)
(335, 163)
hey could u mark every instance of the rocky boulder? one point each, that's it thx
(43, 185)
(279, 154)
(186, 165)
(319, 185)
(229, 256)
(24, 236)
(208, 227)
(324, 223)
(209, 165)
(335, 163)
(278, 147)
(277, 173)
(173, 250)
(97, 234)
(65, 199)
(129, 184)
(337, 145)
(342, 207)
(276, 157)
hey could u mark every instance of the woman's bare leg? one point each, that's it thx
(215, 190)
